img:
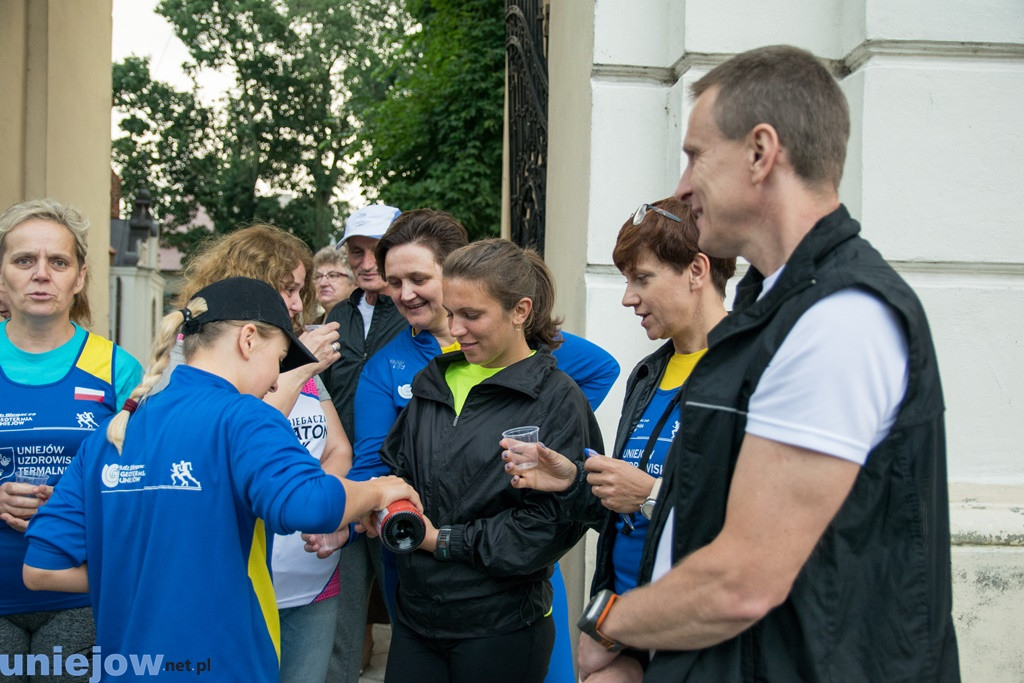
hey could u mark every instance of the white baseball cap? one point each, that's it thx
(369, 221)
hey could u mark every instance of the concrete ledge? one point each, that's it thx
(932, 49)
(986, 515)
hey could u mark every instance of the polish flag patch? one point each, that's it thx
(85, 394)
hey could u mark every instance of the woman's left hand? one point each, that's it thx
(620, 486)
(553, 473)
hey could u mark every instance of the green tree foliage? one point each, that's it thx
(409, 93)
(436, 138)
(275, 150)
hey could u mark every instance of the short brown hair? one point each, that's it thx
(672, 243)
(438, 231)
(792, 91)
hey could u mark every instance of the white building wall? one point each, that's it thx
(934, 172)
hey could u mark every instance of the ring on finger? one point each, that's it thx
(336, 346)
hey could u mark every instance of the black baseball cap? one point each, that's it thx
(242, 299)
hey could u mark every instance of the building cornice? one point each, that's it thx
(852, 62)
(932, 49)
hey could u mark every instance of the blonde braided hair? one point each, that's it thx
(165, 339)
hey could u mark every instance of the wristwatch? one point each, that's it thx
(593, 616)
(647, 507)
(444, 537)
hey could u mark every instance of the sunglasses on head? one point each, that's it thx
(638, 215)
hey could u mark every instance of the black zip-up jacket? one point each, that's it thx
(873, 602)
(342, 378)
(640, 387)
(503, 540)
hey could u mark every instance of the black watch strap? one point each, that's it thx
(444, 539)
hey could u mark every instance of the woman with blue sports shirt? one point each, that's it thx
(58, 382)
(678, 292)
(306, 587)
(164, 517)
(409, 257)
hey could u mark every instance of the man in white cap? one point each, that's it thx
(368, 320)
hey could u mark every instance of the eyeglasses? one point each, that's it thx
(332, 276)
(641, 211)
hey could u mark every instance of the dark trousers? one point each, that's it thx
(518, 657)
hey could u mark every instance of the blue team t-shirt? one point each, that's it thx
(173, 528)
(49, 403)
(629, 544)
(24, 367)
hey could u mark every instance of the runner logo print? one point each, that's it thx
(181, 475)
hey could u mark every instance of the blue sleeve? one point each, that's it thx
(276, 477)
(310, 497)
(375, 413)
(592, 368)
(56, 534)
(127, 375)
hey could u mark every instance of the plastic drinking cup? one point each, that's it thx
(523, 456)
(36, 476)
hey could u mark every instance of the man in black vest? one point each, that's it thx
(802, 527)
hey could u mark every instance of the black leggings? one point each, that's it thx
(518, 657)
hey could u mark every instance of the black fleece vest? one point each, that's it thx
(873, 601)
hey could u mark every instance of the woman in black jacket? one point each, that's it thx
(474, 601)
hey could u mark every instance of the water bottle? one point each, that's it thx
(400, 527)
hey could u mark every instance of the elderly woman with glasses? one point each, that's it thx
(332, 278)
(678, 292)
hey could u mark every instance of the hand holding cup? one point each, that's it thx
(21, 498)
(522, 446)
(551, 472)
(33, 476)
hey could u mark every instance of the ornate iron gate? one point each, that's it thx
(527, 69)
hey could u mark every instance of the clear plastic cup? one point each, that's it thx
(36, 476)
(524, 455)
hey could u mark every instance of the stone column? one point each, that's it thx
(55, 116)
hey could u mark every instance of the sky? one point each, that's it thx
(139, 30)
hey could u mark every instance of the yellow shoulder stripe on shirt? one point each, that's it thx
(263, 585)
(97, 358)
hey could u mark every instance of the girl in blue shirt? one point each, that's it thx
(165, 517)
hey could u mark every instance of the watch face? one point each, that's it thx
(592, 612)
(647, 509)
